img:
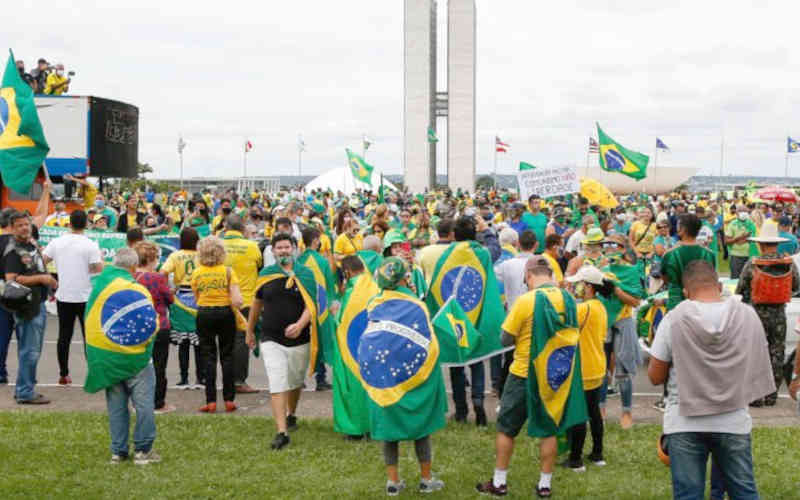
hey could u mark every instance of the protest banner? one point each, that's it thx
(109, 242)
(548, 182)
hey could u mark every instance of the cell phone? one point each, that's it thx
(406, 246)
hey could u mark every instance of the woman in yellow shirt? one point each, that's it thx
(216, 288)
(181, 264)
(349, 242)
(643, 233)
(593, 326)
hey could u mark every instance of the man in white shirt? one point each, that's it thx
(511, 272)
(713, 356)
(573, 247)
(76, 257)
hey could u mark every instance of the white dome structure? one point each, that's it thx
(659, 180)
(341, 179)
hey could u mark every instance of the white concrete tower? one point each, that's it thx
(461, 136)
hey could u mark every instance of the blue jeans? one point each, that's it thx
(140, 389)
(6, 329)
(688, 453)
(30, 335)
(460, 387)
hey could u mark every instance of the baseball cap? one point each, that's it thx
(587, 273)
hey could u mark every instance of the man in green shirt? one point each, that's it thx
(675, 260)
(789, 247)
(536, 220)
(736, 235)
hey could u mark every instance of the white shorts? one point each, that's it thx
(286, 366)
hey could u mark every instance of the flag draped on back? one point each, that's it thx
(183, 312)
(325, 295)
(371, 259)
(23, 147)
(120, 324)
(465, 272)
(350, 414)
(555, 388)
(307, 285)
(630, 279)
(362, 170)
(460, 343)
(616, 158)
(398, 360)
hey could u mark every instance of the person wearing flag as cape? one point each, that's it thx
(121, 323)
(544, 384)
(465, 271)
(350, 416)
(398, 363)
(286, 293)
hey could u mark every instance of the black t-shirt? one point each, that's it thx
(282, 307)
(25, 259)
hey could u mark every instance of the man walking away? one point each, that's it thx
(716, 356)
(6, 317)
(76, 257)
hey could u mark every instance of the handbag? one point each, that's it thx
(14, 296)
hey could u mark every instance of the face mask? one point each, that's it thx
(742, 215)
(285, 260)
(226, 210)
(620, 217)
(60, 72)
(99, 203)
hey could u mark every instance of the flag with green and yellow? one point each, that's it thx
(616, 158)
(23, 147)
(362, 170)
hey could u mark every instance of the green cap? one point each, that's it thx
(393, 236)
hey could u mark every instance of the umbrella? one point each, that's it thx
(776, 193)
(597, 193)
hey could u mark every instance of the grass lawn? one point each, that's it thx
(65, 455)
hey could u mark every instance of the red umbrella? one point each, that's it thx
(776, 193)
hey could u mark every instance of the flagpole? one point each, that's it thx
(655, 166)
(588, 153)
(495, 163)
(244, 162)
(299, 162)
(180, 156)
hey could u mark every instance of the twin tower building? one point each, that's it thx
(423, 103)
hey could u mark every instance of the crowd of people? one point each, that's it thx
(280, 273)
(46, 78)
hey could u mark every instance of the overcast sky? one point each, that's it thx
(688, 72)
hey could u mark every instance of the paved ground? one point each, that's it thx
(313, 404)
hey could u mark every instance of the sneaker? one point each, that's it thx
(323, 386)
(596, 460)
(612, 391)
(544, 492)
(65, 380)
(393, 489)
(758, 403)
(480, 416)
(576, 466)
(660, 405)
(117, 459)
(245, 389)
(488, 488)
(37, 399)
(230, 406)
(144, 458)
(3, 380)
(291, 423)
(459, 419)
(209, 408)
(183, 385)
(281, 440)
(430, 485)
(200, 384)
(164, 409)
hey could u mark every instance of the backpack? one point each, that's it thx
(767, 288)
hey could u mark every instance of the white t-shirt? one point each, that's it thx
(732, 422)
(511, 273)
(574, 242)
(73, 253)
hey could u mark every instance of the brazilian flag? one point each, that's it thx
(371, 259)
(303, 278)
(325, 294)
(460, 343)
(398, 362)
(350, 415)
(361, 170)
(23, 147)
(630, 279)
(465, 271)
(555, 387)
(121, 322)
(183, 312)
(616, 158)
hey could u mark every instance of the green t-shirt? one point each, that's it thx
(538, 224)
(674, 262)
(787, 247)
(735, 229)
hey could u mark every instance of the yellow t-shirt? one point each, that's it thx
(345, 245)
(593, 324)
(132, 221)
(324, 245)
(89, 195)
(53, 80)
(637, 230)
(210, 285)
(180, 264)
(244, 257)
(519, 324)
(558, 276)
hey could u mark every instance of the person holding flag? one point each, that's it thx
(398, 361)
(286, 294)
(121, 323)
(544, 384)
